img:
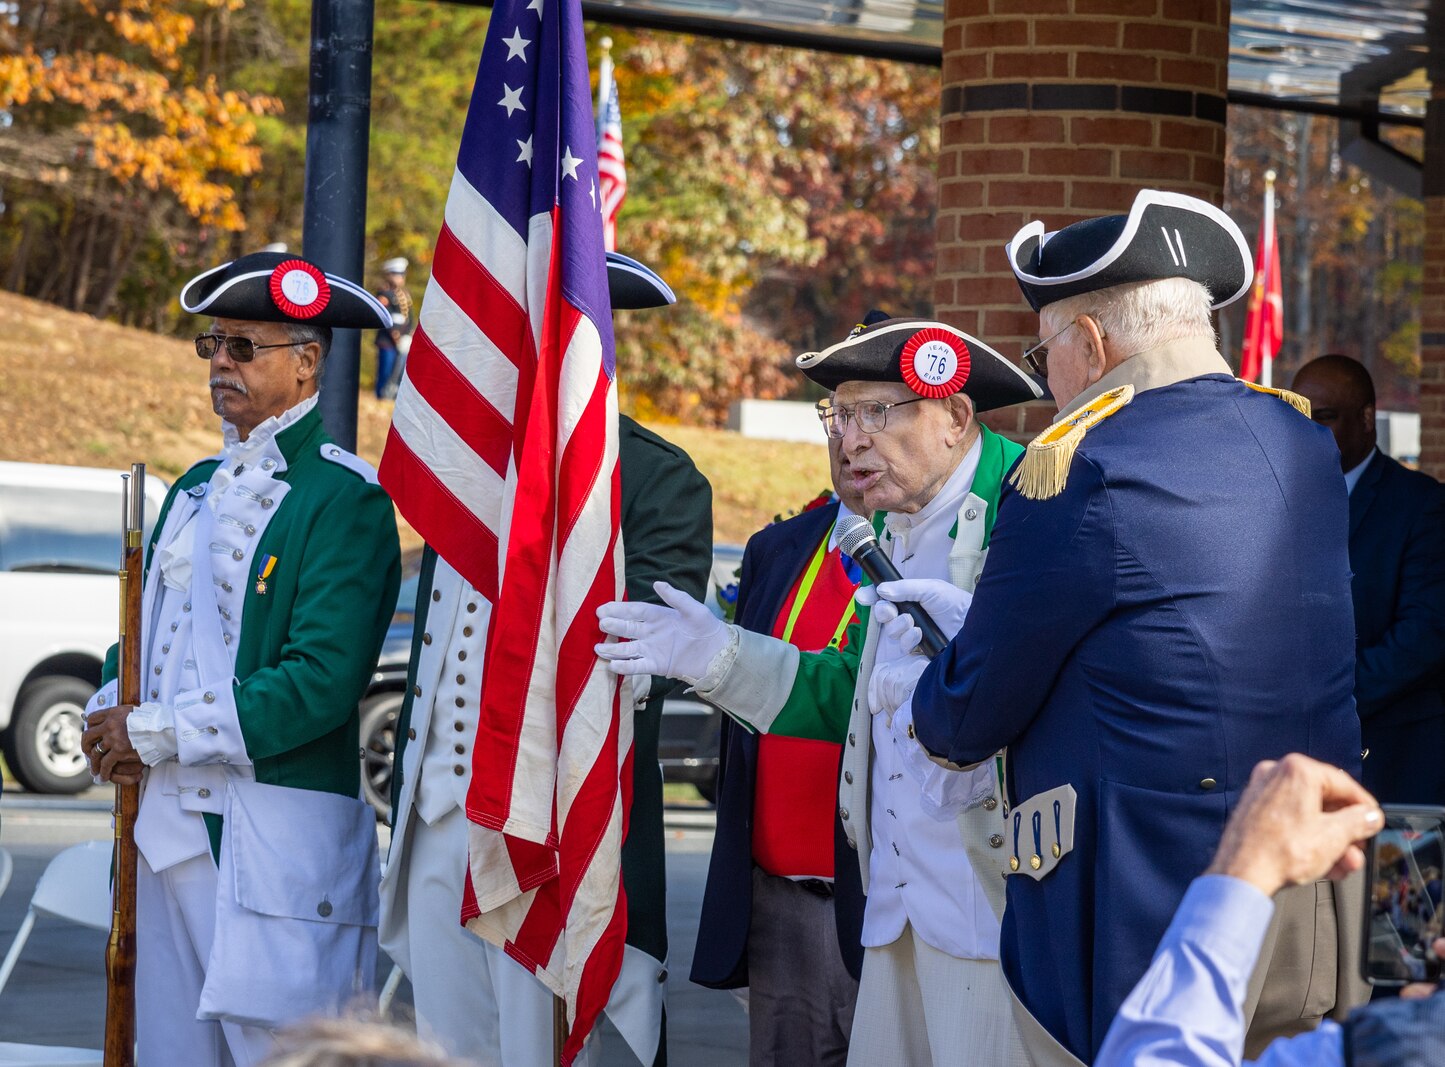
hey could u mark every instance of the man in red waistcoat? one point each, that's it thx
(772, 910)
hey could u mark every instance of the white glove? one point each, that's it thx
(891, 684)
(947, 605)
(677, 641)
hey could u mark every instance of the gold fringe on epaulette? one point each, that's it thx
(1294, 400)
(1044, 468)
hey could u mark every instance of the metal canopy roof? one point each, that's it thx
(1326, 55)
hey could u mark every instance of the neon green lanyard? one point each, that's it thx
(806, 587)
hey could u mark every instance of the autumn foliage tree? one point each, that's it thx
(120, 132)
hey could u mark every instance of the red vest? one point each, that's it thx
(796, 790)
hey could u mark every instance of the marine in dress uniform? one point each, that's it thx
(930, 985)
(469, 995)
(771, 906)
(271, 577)
(1166, 603)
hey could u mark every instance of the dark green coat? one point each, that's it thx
(667, 534)
(308, 645)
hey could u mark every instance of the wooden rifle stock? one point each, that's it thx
(120, 952)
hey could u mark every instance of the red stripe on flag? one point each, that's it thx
(472, 287)
(471, 416)
(446, 524)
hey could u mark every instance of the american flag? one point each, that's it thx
(611, 170)
(503, 456)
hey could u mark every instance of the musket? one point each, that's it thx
(120, 951)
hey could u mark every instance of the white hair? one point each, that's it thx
(1139, 316)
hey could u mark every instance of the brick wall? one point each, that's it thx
(1061, 110)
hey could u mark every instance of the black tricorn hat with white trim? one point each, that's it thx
(633, 285)
(281, 287)
(1165, 235)
(931, 358)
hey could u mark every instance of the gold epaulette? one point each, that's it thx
(1294, 400)
(1045, 465)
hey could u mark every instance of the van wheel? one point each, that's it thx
(42, 745)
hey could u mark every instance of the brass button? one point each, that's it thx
(995, 840)
(848, 777)
(154, 694)
(416, 690)
(461, 680)
(459, 770)
(324, 908)
(461, 749)
(411, 734)
(165, 648)
(466, 631)
(843, 814)
(158, 669)
(461, 654)
(1207, 783)
(426, 639)
(989, 803)
(461, 702)
(472, 606)
(460, 726)
(203, 793)
(436, 594)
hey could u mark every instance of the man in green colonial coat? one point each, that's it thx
(271, 576)
(904, 397)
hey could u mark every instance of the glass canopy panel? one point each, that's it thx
(1293, 50)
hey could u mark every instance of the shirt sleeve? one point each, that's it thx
(1188, 1009)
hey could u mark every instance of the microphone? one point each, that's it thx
(857, 539)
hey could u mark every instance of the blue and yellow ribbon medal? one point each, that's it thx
(263, 571)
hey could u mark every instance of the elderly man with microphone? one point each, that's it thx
(905, 396)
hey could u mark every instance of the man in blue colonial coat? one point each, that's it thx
(1166, 602)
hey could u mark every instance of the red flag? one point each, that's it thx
(503, 455)
(1264, 322)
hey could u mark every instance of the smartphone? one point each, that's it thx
(1403, 913)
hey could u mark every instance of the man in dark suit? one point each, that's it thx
(1397, 553)
(776, 903)
(1165, 603)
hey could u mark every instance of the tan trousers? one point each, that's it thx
(919, 1007)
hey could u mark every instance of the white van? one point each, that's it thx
(60, 533)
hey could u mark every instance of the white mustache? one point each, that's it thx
(230, 383)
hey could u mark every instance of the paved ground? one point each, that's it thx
(56, 995)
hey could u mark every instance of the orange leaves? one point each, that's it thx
(120, 95)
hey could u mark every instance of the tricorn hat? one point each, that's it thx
(280, 287)
(633, 285)
(1165, 235)
(931, 358)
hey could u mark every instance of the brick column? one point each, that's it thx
(1432, 290)
(1060, 110)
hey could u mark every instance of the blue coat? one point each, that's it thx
(772, 561)
(1397, 551)
(1178, 613)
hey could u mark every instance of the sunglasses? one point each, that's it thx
(1036, 358)
(240, 349)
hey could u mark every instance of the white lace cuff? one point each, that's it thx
(720, 664)
(152, 730)
(945, 793)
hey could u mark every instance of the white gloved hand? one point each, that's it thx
(677, 641)
(891, 684)
(947, 605)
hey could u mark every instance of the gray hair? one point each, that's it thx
(1139, 316)
(302, 333)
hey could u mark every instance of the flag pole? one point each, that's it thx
(559, 1028)
(604, 83)
(1266, 374)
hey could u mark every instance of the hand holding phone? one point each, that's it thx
(1403, 913)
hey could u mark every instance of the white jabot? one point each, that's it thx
(174, 559)
(1352, 476)
(919, 871)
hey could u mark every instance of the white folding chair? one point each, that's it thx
(74, 888)
(7, 869)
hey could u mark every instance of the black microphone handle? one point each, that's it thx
(879, 567)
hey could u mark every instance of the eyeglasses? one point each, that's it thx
(240, 349)
(872, 415)
(1037, 357)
